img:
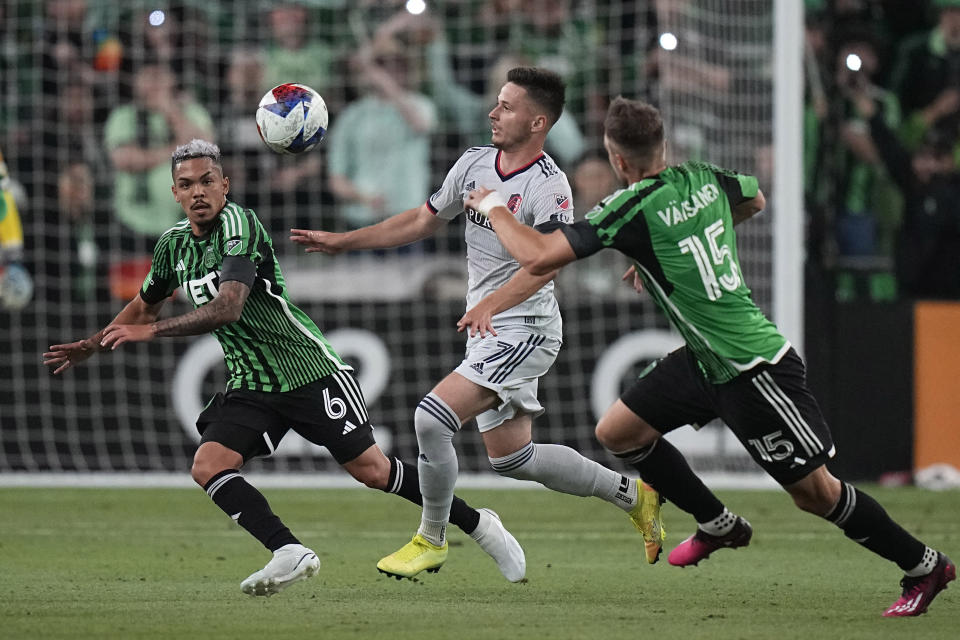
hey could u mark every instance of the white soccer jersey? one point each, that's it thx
(537, 194)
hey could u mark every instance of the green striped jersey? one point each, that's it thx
(274, 346)
(678, 228)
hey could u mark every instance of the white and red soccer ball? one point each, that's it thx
(292, 118)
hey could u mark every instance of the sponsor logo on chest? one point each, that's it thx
(513, 204)
(203, 289)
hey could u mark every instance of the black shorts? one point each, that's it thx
(769, 408)
(329, 412)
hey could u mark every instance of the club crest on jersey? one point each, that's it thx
(210, 258)
(513, 203)
(563, 201)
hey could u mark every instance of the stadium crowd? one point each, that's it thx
(118, 86)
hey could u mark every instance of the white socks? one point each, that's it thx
(563, 469)
(721, 525)
(436, 424)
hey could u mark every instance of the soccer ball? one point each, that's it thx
(292, 118)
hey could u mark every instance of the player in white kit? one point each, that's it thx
(514, 327)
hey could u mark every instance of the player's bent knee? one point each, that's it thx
(434, 423)
(614, 437)
(372, 476)
(606, 435)
(423, 424)
(201, 471)
(812, 503)
(817, 493)
(212, 458)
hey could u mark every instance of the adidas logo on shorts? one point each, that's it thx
(477, 366)
(348, 428)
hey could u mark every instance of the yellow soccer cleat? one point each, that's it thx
(646, 518)
(412, 558)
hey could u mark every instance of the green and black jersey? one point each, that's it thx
(677, 227)
(274, 346)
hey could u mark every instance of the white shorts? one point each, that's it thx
(511, 365)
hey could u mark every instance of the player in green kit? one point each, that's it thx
(676, 224)
(283, 373)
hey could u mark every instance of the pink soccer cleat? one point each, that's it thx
(919, 592)
(700, 545)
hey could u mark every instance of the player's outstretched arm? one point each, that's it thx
(397, 230)
(749, 208)
(517, 289)
(64, 356)
(538, 253)
(223, 309)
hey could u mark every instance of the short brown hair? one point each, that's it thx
(635, 127)
(545, 87)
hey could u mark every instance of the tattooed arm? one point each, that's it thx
(224, 309)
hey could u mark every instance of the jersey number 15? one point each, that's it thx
(717, 267)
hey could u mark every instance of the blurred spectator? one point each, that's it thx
(454, 99)
(816, 104)
(926, 75)
(866, 205)
(550, 35)
(65, 43)
(696, 76)
(295, 53)
(73, 169)
(294, 56)
(593, 180)
(173, 35)
(140, 138)
(246, 160)
(70, 134)
(75, 201)
(928, 245)
(379, 146)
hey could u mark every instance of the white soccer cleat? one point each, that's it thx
(290, 563)
(493, 538)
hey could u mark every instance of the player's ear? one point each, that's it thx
(539, 124)
(622, 164)
(226, 185)
(173, 188)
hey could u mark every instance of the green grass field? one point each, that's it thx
(145, 563)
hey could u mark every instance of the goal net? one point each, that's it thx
(95, 93)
